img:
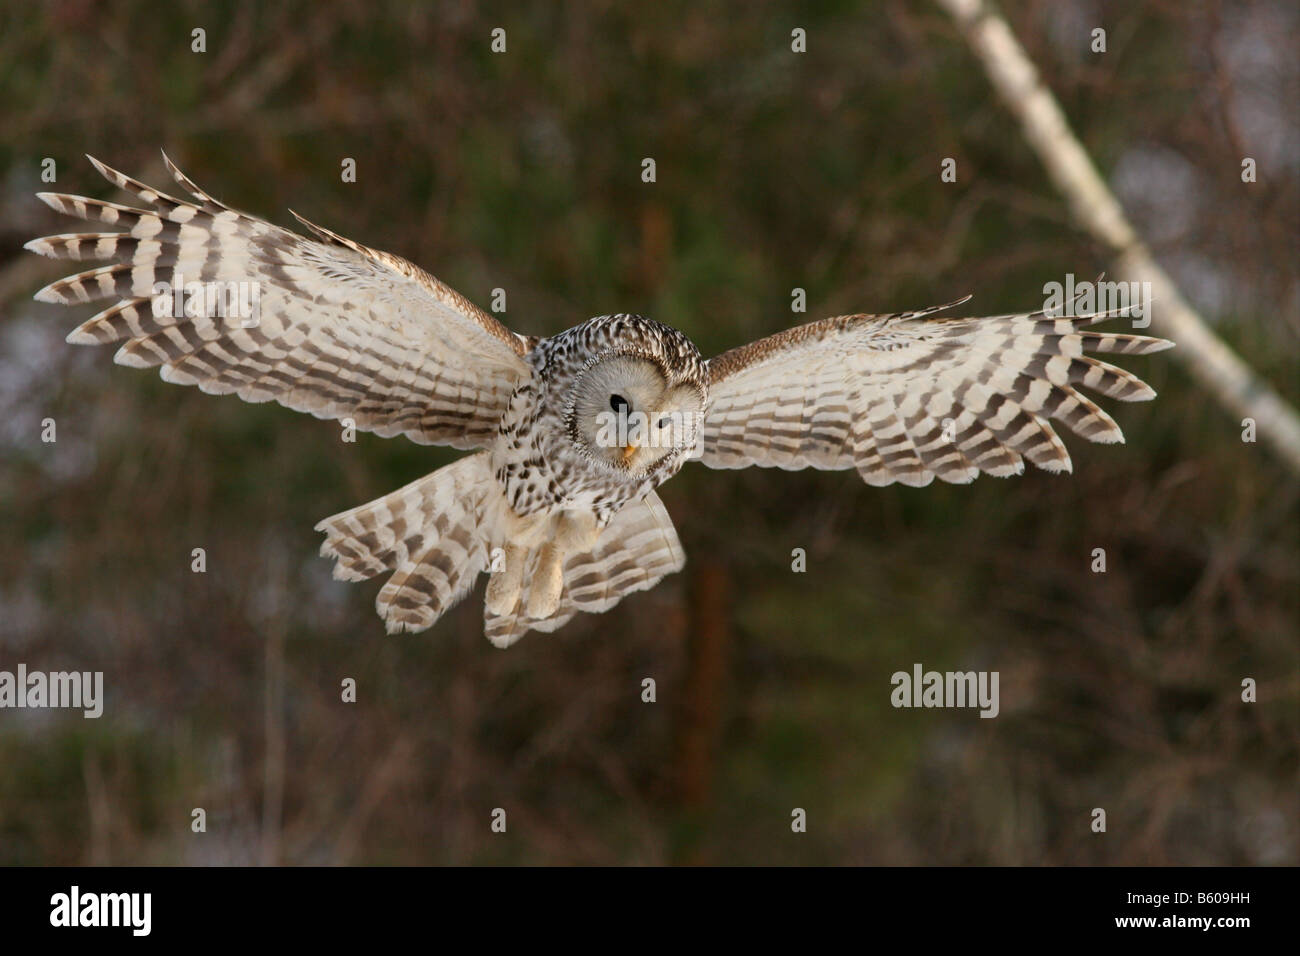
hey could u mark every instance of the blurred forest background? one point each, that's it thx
(776, 170)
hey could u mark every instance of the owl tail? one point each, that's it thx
(430, 534)
(438, 533)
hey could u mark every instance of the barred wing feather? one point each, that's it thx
(907, 398)
(342, 330)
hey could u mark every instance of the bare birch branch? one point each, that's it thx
(1230, 380)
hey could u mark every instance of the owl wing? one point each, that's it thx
(337, 329)
(906, 398)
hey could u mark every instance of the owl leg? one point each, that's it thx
(504, 585)
(574, 533)
(547, 583)
(577, 533)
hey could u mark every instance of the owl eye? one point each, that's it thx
(664, 422)
(619, 404)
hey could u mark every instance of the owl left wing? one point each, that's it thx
(906, 398)
(340, 331)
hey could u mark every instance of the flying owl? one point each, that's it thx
(573, 433)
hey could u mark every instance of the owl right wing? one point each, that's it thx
(341, 330)
(906, 398)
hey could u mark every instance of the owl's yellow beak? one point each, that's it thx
(627, 452)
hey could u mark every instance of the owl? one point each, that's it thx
(571, 434)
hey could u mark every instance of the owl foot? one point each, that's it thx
(547, 583)
(504, 585)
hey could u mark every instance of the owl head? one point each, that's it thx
(629, 411)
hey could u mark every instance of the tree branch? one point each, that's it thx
(1230, 380)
